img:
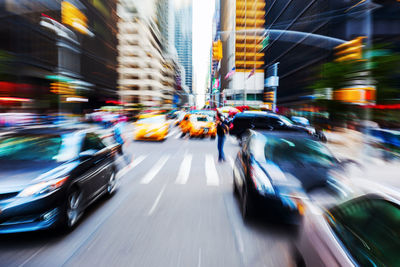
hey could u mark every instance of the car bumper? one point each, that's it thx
(282, 208)
(151, 136)
(30, 214)
(202, 132)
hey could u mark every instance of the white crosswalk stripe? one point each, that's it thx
(133, 164)
(231, 162)
(153, 172)
(184, 170)
(211, 171)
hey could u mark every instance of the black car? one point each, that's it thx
(48, 176)
(274, 171)
(259, 120)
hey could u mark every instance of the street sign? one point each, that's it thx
(272, 81)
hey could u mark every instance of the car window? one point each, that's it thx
(275, 122)
(286, 120)
(370, 230)
(257, 144)
(39, 147)
(261, 123)
(298, 151)
(92, 141)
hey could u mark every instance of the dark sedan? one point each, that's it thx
(274, 171)
(260, 120)
(48, 176)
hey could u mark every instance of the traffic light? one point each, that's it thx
(269, 97)
(351, 50)
(217, 50)
(61, 88)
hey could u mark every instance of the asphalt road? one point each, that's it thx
(174, 207)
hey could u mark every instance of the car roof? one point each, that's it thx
(47, 130)
(286, 134)
(252, 114)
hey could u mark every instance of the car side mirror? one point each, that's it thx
(347, 161)
(87, 154)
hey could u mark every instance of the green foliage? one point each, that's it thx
(381, 64)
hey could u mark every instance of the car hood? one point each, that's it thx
(310, 176)
(15, 175)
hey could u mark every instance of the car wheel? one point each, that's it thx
(112, 184)
(298, 258)
(240, 140)
(247, 208)
(235, 189)
(213, 137)
(72, 212)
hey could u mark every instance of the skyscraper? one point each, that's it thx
(242, 25)
(183, 40)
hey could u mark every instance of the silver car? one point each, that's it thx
(362, 231)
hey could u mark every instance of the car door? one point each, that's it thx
(96, 164)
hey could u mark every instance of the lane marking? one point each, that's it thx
(211, 171)
(131, 165)
(153, 172)
(157, 200)
(199, 262)
(33, 256)
(184, 170)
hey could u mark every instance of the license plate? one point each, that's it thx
(205, 130)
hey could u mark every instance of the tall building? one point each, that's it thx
(183, 41)
(146, 77)
(58, 54)
(242, 25)
(303, 34)
(165, 20)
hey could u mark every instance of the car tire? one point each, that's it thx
(213, 137)
(72, 210)
(235, 189)
(298, 258)
(111, 184)
(247, 208)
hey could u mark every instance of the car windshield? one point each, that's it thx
(296, 150)
(202, 119)
(370, 229)
(157, 119)
(38, 147)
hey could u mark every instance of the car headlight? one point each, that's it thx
(43, 187)
(196, 127)
(295, 200)
(261, 181)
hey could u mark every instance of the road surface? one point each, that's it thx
(174, 207)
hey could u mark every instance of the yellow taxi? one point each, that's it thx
(151, 127)
(197, 125)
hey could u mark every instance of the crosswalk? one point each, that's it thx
(183, 168)
(154, 171)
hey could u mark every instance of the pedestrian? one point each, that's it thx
(222, 130)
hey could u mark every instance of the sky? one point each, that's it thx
(203, 12)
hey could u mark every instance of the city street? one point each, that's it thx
(174, 207)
